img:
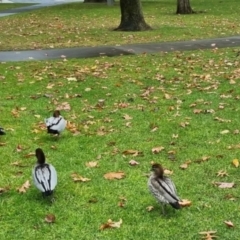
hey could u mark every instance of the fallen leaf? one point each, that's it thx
(184, 166)
(149, 208)
(111, 224)
(127, 117)
(24, 187)
(30, 155)
(133, 162)
(229, 223)
(50, 218)
(157, 150)
(224, 131)
(18, 164)
(209, 235)
(91, 164)
(19, 148)
(3, 190)
(2, 144)
(222, 173)
(168, 172)
(78, 178)
(114, 175)
(235, 162)
(225, 184)
(185, 203)
(132, 152)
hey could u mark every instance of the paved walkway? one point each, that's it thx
(87, 52)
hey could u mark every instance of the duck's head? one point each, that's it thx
(56, 113)
(157, 170)
(40, 156)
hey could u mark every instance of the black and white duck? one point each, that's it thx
(163, 188)
(44, 174)
(55, 124)
(2, 132)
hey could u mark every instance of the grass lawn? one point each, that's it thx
(79, 24)
(187, 103)
(5, 6)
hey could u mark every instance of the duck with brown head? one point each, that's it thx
(55, 124)
(44, 174)
(163, 188)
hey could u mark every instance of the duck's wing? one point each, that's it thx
(156, 190)
(57, 124)
(44, 177)
(164, 190)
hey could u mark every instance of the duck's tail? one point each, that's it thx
(175, 205)
(47, 193)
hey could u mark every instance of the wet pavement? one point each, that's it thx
(37, 4)
(129, 49)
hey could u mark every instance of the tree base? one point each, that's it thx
(130, 27)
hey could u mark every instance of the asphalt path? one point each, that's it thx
(130, 49)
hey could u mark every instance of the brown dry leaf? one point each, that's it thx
(122, 201)
(53, 147)
(184, 124)
(91, 164)
(127, 117)
(31, 154)
(15, 112)
(18, 164)
(184, 166)
(19, 148)
(78, 178)
(185, 203)
(205, 158)
(133, 162)
(235, 162)
(209, 235)
(154, 129)
(2, 144)
(111, 224)
(3, 190)
(168, 172)
(224, 131)
(132, 152)
(114, 175)
(24, 187)
(50, 218)
(157, 150)
(50, 86)
(225, 184)
(222, 173)
(167, 96)
(149, 208)
(229, 223)
(197, 111)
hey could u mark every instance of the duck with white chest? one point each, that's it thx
(55, 124)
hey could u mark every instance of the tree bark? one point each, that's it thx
(132, 18)
(184, 7)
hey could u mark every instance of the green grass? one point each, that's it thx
(79, 24)
(5, 6)
(207, 78)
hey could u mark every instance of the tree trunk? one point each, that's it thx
(183, 7)
(132, 16)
